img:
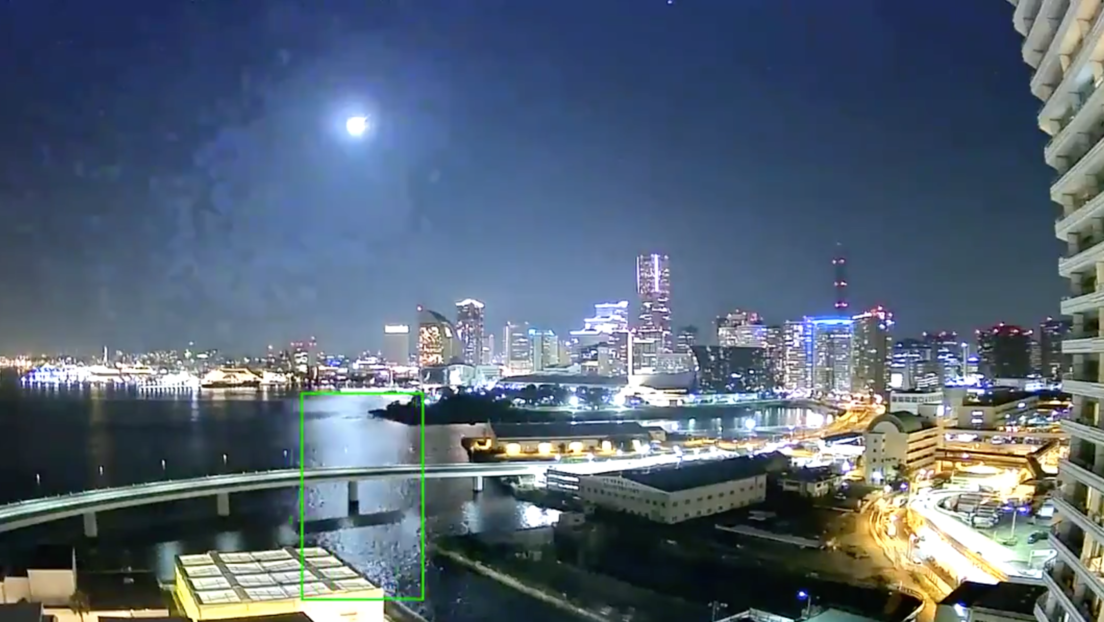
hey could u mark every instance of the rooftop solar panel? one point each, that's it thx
(203, 571)
(269, 556)
(250, 568)
(235, 558)
(255, 580)
(212, 583)
(213, 597)
(225, 578)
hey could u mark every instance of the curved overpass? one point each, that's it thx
(87, 503)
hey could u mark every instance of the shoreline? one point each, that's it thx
(433, 415)
(517, 584)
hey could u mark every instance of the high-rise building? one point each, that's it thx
(490, 354)
(730, 369)
(436, 338)
(1062, 43)
(914, 366)
(653, 286)
(518, 351)
(396, 344)
(544, 348)
(950, 355)
(1004, 351)
(469, 331)
(797, 355)
(831, 355)
(608, 317)
(1053, 363)
(776, 360)
(741, 329)
(870, 352)
(686, 338)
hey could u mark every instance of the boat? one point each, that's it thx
(231, 378)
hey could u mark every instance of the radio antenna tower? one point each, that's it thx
(839, 266)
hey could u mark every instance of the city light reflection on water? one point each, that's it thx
(60, 441)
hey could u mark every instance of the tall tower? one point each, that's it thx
(469, 331)
(839, 267)
(653, 286)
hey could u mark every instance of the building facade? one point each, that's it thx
(870, 352)
(797, 355)
(741, 329)
(396, 344)
(673, 495)
(1004, 351)
(899, 445)
(831, 340)
(436, 338)
(544, 349)
(469, 331)
(517, 350)
(1053, 363)
(730, 369)
(653, 287)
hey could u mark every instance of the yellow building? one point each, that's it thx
(222, 586)
(549, 439)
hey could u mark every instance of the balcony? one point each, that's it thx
(1075, 126)
(1050, 71)
(1064, 596)
(1072, 560)
(1025, 13)
(1041, 34)
(1087, 341)
(1068, 469)
(1085, 303)
(1079, 176)
(1088, 524)
(1094, 390)
(1053, 106)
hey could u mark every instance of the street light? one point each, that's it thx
(356, 126)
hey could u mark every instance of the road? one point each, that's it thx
(42, 510)
(881, 519)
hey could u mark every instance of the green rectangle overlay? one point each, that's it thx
(303, 491)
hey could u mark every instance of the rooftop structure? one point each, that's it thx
(697, 474)
(558, 431)
(219, 586)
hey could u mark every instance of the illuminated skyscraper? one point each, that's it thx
(653, 286)
(608, 317)
(686, 338)
(396, 344)
(436, 338)
(871, 352)
(544, 348)
(797, 355)
(469, 331)
(831, 355)
(517, 349)
(741, 329)
(1062, 43)
(1053, 363)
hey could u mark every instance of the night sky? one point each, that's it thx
(178, 170)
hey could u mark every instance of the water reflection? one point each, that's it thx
(63, 437)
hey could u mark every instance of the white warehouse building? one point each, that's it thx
(899, 442)
(675, 494)
(1064, 44)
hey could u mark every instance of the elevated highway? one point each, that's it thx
(88, 503)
